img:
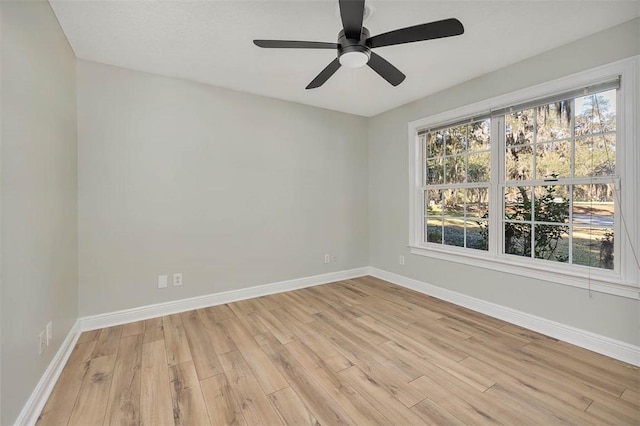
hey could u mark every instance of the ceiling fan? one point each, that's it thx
(354, 44)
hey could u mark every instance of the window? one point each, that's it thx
(560, 177)
(456, 193)
(534, 180)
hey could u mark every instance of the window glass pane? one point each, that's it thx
(454, 231)
(456, 142)
(551, 203)
(477, 234)
(480, 135)
(435, 144)
(595, 113)
(434, 203)
(435, 171)
(553, 121)
(455, 172)
(433, 230)
(551, 242)
(553, 160)
(517, 239)
(519, 128)
(479, 167)
(477, 203)
(517, 203)
(519, 163)
(593, 247)
(596, 156)
(593, 205)
(454, 202)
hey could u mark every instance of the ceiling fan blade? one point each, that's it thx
(352, 13)
(294, 44)
(385, 69)
(324, 74)
(430, 31)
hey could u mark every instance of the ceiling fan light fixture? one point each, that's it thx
(355, 59)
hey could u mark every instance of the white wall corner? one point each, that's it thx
(597, 343)
(31, 411)
(173, 307)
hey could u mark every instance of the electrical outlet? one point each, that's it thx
(49, 332)
(41, 342)
(401, 260)
(163, 281)
(334, 259)
(327, 258)
(177, 279)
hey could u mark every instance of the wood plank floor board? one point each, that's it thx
(175, 340)
(153, 330)
(108, 341)
(220, 339)
(349, 349)
(65, 393)
(291, 408)
(123, 407)
(188, 403)
(528, 334)
(220, 312)
(541, 367)
(582, 361)
(302, 302)
(284, 317)
(156, 408)
(470, 410)
(221, 404)
(615, 412)
(570, 392)
(283, 332)
(592, 375)
(253, 402)
(262, 367)
(92, 401)
(323, 407)
(435, 414)
(325, 350)
(413, 353)
(354, 404)
(536, 388)
(632, 396)
(89, 336)
(378, 396)
(359, 351)
(132, 328)
(202, 352)
(297, 311)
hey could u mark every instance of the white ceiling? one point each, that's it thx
(211, 42)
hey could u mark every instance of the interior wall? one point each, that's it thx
(38, 195)
(232, 190)
(607, 315)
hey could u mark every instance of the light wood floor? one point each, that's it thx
(361, 351)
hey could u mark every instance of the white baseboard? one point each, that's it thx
(32, 409)
(152, 311)
(597, 343)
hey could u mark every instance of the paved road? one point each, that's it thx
(585, 219)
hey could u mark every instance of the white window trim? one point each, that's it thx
(624, 282)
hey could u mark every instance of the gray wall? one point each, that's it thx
(607, 315)
(230, 189)
(38, 195)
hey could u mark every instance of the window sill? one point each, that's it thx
(596, 282)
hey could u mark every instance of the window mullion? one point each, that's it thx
(495, 189)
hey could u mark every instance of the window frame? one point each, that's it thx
(623, 280)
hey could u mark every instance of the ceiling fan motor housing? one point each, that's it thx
(353, 53)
